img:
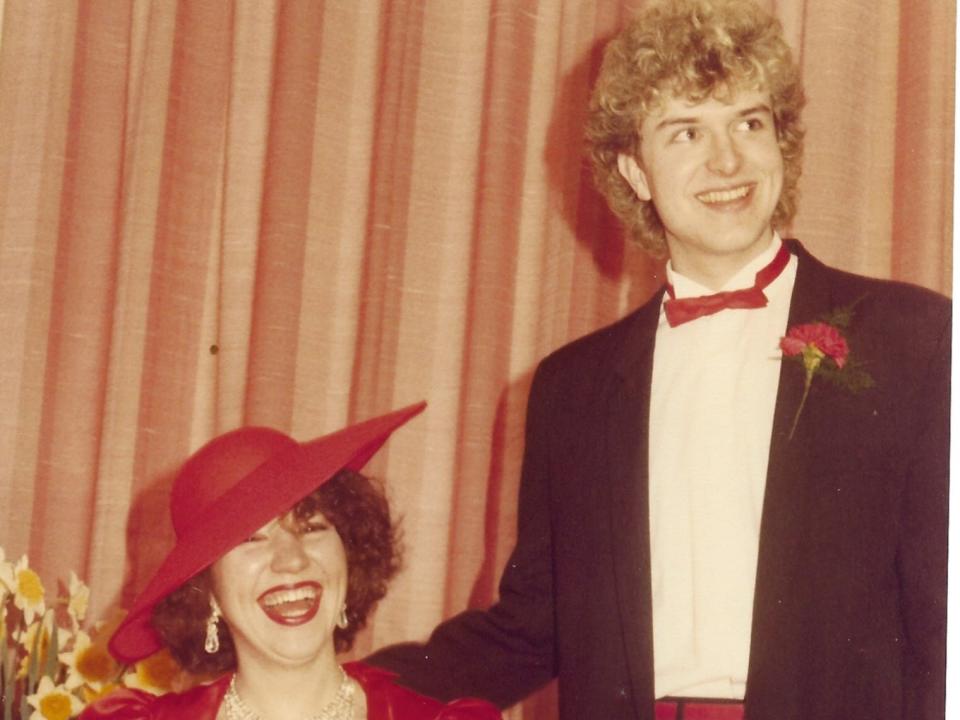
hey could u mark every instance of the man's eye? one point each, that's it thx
(686, 135)
(752, 124)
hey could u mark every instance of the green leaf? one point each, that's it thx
(853, 377)
(842, 316)
(9, 657)
(6, 683)
(33, 668)
(52, 664)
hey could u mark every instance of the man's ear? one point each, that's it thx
(634, 175)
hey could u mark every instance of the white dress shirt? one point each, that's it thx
(711, 416)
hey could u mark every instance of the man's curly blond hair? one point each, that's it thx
(692, 49)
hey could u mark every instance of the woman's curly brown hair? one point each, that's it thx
(693, 49)
(357, 507)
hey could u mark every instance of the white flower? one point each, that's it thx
(137, 680)
(53, 702)
(27, 636)
(7, 582)
(79, 599)
(88, 663)
(157, 674)
(27, 589)
(35, 639)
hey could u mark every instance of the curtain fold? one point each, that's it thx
(301, 214)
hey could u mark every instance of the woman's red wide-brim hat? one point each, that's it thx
(230, 488)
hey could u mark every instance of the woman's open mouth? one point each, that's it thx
(292, 604)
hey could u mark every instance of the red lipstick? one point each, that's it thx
(291, 605)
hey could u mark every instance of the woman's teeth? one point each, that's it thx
(288, 596)
(292, 606)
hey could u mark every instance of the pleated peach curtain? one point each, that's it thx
(304, 213)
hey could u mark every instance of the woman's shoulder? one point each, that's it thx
(200, 703)
(386, 699)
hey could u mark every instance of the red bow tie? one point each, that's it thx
(681, 310)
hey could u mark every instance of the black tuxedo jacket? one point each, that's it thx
(850, 602)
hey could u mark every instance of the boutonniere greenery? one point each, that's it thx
(822, 349)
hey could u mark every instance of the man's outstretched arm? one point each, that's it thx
(504, 653)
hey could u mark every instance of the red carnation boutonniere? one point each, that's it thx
(823, 350)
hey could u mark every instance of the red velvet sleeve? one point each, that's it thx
(469, 709)
(198, 703)
(122, 704)
(388, 701)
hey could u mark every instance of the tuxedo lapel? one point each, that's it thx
(783, 523)
(812, 299)
(627, 418)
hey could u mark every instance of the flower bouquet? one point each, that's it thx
(51, 665)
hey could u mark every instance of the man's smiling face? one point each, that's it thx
(714, 172)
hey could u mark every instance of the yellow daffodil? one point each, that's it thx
(26, 587)
(79, 599)
(88, 663)
(53, 702)
(29, 641)
(156, 674)
(90, 695)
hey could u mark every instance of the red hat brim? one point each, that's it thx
(270, 489)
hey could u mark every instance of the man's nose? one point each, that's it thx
(724, 155)
(288, 553)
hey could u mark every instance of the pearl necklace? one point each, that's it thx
(340, 708)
